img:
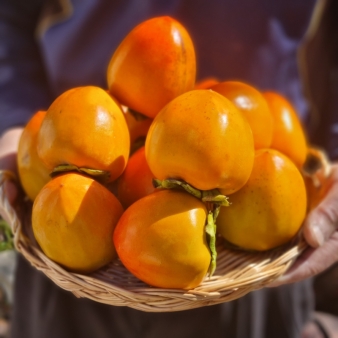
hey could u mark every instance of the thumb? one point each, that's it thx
(8, 188)
(322, 221)
(11, 191)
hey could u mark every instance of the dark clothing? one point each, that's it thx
(43, 310)
(250, 40)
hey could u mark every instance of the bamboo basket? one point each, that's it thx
(238, 272)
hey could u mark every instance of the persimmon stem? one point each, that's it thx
(171, 183)
(100, 175)
(215, 197)
(210, 229)
(212, 196)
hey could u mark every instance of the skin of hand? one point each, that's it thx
(320, 230)
(8, 149)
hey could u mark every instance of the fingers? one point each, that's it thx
(320, 232)
(8, 151)
(311, 262)
(11, 191)
(322, 221)
(9, 143)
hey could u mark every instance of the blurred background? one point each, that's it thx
(7, 267)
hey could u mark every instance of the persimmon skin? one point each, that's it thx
(288, 133)
(269, 210)
(85, 127)
(201, 138)
(138, 127)
(254, 107)
(32, 171)
(73, 220)
(161, 240)
(206, 83)
(153, 64)
(136, 180)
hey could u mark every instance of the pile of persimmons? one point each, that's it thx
(154, 167)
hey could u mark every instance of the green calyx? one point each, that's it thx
(210, 229)
(100, 175)
(212, 196)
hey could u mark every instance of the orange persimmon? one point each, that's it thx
(32, 171)
(269, 210)
(202, 138)
(153, 64)
(161, 239)
(288, 133)
(254, 107)
(136, 180)
(73, 220)
(85, 127)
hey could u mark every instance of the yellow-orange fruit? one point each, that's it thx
(85, 127)
(153, 64)
(203, 139)
(269, 210)
(161, 239)
(73, 220)
(254, 107)
(288, 133)
(32, 171)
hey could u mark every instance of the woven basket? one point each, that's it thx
(238, 272)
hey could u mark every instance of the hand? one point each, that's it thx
(8, 149)
(321, 233)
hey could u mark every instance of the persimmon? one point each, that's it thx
(254, 107)
(153, 64)
(85, 127)
(206, 83)
(161, 240)
(138, 126)
(136, 180)
(317, 173)
(288, 133)
(269, 210)
(202, 138)
(32, 171)
(73, 219)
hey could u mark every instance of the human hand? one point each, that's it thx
(8, 150)
(321, 233)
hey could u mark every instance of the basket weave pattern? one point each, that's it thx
(238, 272)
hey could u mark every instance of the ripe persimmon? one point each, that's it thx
(136, 180)
(153, 64)
(73, 220)
(32, 171)
(254, 107)
(86, 128)
(288, 133)
(138, 126)
(206, 83)
(202, 138)
(269, 210)
(317, 173)
(161, 239)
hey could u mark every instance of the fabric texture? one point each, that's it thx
(42, 310)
